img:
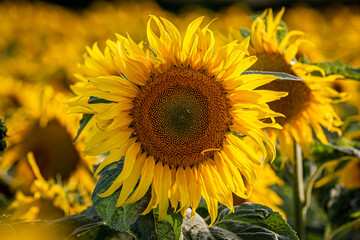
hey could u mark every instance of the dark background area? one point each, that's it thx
(175, 5)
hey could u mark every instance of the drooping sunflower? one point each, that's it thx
(41, 126)
(177, 110)
(308, 106)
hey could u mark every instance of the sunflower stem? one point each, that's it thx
(299, 194)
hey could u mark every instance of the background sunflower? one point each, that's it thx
(41, 127)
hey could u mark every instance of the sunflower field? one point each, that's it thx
(164, 120)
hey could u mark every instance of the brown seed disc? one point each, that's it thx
(294, 103)
(273, 62)
(179, 114)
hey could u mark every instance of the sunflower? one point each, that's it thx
(178, 111)
(47, 199)
(308, 106)
(41, 126)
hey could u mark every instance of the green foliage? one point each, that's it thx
(76, 224)
(351, 126)
(280, 75)
(129, 218)
(83, 122)
(341, 205)
(340, 210)
(339, 148)
(253, 221)
(249, 221)
(245, 32)
(339, 67)
(105, 233)
(93, 100)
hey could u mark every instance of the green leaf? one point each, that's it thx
(105, 233)
(339, 67)
(79, 223)
(245, 32)
(341, 205)
(339, 148)
(128, 218)
(87, 117)
(280, 75)
(348, 150)
(83, 122)
(255, 221)
(93, 100)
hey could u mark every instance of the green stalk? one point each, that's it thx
(299, 194)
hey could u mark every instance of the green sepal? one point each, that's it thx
(93, 100)
(245, 32)
(87, 117)
(254, 221)
(83, 122)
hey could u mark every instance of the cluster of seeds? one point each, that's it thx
(179, 114)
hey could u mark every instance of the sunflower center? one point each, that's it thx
(273, 62)
(179, 114)
(294, 103)
(53, 150)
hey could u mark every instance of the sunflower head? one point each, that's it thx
(178, 109)
(47, 199)
(41, 126)
(307, 107)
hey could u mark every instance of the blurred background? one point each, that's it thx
(42, 174)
